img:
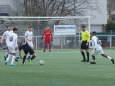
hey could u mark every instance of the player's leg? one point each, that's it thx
(13, 59)
(6, 55)
(24, 59)
(93, 60)
(86, 46)
(106, 56)
(13, 51)
(112, 60)
(33, 57)
(87, 53)
(28, 56)
(83, 55)
(26, 53)
(17, 56)
(8, 59)
(83, 47)
(32, 53)
(49, 46)
(45, 47)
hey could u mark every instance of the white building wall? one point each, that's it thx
(97, 28)
(98, 12)
(8, 3)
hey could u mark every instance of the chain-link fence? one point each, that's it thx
(108, 41)
(67, 42)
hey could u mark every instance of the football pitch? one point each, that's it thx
(62, 68)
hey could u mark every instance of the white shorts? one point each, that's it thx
(98, 51)
(12, 49)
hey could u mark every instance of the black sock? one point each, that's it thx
(83, 54)
(87, 56)
(24, 58)
(33, 57)
(93, 58)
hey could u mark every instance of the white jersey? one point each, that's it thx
(12, 43)
(29, 35)
(96, 45)
(6, 35)
(96, 42)
(29, 38)
(12, 40)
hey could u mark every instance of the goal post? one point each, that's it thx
(64, 41)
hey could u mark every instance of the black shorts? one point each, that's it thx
(84, 45)
(27, 49)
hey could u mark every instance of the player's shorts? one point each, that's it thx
(12, 49)
(98, 51)
(27, 49)
(47, 40)
(84, 45)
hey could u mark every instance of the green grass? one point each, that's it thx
(62, 68)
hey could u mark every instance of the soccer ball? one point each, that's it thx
(42, 62)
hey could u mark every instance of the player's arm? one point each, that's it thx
(3, 37)
(51, 37)
(25, 36)
(32, 37)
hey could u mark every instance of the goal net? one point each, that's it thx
(66, 30)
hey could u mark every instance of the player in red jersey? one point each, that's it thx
(47, 38)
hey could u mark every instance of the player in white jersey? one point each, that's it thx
(5, 37)
(12, 47)
(97, 49)
(6, 34)
(29, 37)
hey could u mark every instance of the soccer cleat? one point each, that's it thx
(5, 63)
(112, 60)
(12, 64)
(30, 61)
(92, 62)
(83, 60)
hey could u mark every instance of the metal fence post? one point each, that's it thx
(110, 41)
(36, 42)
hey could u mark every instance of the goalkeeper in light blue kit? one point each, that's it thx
(97, 49)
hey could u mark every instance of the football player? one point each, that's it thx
(97, 49)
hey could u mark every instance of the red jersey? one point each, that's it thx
(47, 35)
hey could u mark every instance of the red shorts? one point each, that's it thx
(47, 41)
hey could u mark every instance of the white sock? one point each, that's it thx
(6, 54)
(8, 58)
(13, 59)
(109, 57)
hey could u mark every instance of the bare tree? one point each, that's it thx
(19, 7)
(55, 7)
(50, 8)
